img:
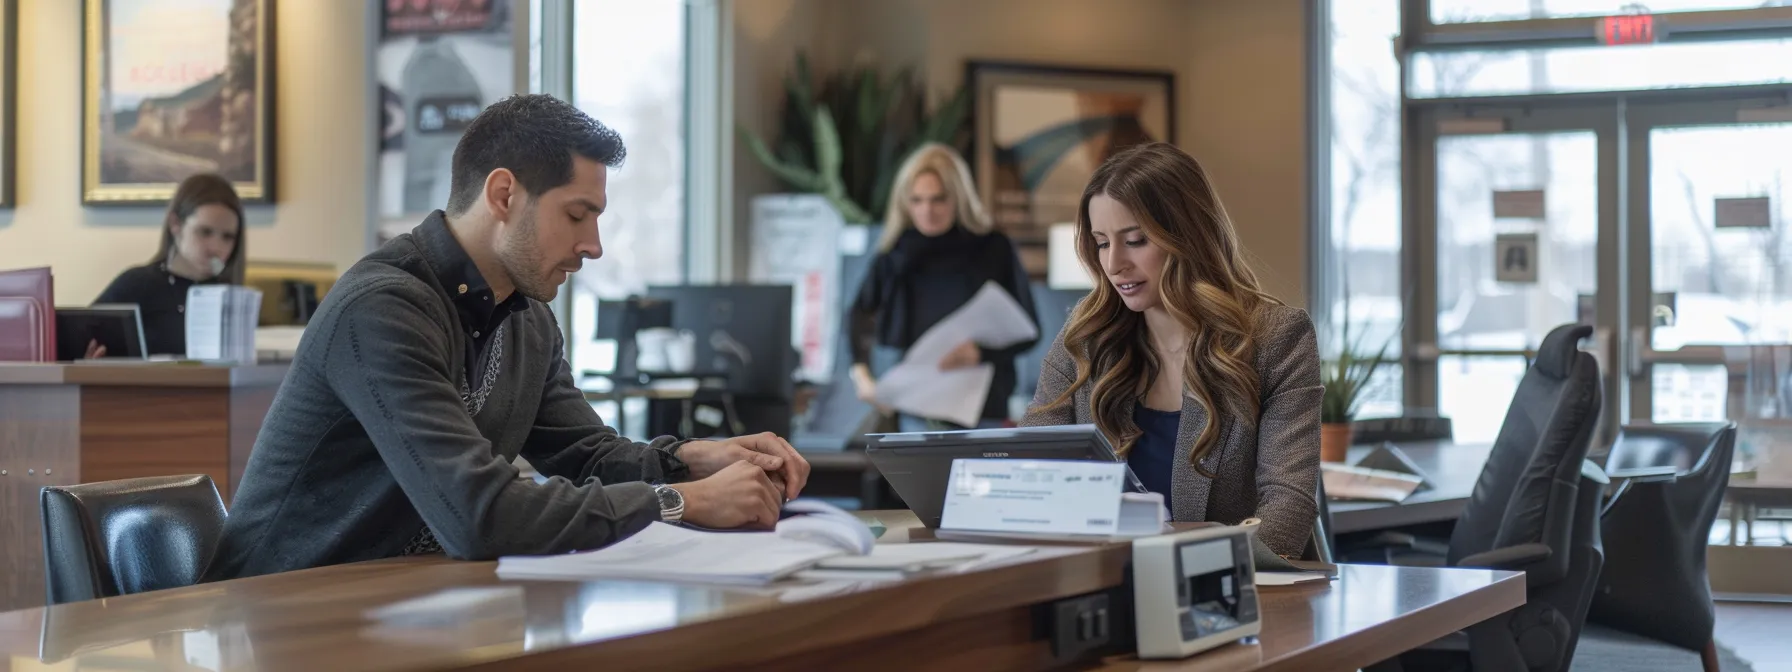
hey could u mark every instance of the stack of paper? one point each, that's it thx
(888, 562)
(1348, 482)
(664, 552)
(917, 386)
(221, 322)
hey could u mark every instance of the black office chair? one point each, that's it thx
(1535, 509)
(128, 536)
(1656, 527)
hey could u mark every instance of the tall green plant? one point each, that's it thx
(846, 138)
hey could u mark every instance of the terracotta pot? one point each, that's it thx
(1334, 441)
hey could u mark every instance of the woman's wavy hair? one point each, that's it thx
(1206, 286)
(955, 176)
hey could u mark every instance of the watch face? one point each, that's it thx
(670, 498)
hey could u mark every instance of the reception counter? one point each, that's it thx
(63, 424)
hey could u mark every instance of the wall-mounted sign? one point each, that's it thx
(1515, 257)
(1520, 204)
(1741, 213)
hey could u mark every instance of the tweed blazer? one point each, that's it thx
(1269, 470)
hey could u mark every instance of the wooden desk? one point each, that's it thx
(319, 620)
(1371, 613)
(63, 424)
(1453, 468)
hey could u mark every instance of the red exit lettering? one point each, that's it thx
(1627, 29)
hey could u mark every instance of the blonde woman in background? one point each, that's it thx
(936, 251)
(1206, 385)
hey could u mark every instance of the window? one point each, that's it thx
(1470, 11)
(1586, 69)
(628, 71)
(1364, 284)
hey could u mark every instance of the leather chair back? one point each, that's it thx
(128, 536)
(1526, 493)
(1655, 584)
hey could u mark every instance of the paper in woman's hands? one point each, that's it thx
(917, 386)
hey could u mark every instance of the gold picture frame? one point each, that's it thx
(172, 103)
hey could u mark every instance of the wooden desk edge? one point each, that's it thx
(142, 375)
(1410, 630)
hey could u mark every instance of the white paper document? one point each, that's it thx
(665, 552)
(917, 386)
(1286, 578)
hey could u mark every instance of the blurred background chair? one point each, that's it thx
(1656, 526)
(128, 536)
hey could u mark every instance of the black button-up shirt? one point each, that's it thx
(480, 318)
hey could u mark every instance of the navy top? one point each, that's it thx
(1151, 456)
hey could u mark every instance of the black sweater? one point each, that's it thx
(161, 299)
(377, 431)
(922, 279)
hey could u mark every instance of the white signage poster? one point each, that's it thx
(1515, 257)
(796, 242)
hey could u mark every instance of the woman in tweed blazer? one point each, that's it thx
(1177, 334)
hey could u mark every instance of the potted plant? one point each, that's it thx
(1344, 377)
(846, 138)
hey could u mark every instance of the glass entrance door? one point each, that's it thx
(1662, 219)
(1710, 325)
(1521, 203)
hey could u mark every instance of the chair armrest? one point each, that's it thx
(1509, 557)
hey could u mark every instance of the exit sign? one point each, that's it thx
(1627, 29)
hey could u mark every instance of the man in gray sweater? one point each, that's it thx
(435, 361)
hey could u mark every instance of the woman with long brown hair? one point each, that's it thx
(1207, 386)
(202, 244)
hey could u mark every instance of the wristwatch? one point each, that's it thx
(671, 503)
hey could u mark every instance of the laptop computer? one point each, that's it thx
(918, 465)
(118, 326)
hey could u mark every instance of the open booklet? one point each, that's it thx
(814, 538)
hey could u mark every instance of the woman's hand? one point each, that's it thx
(866, 385)
(95, 350)
(964, 356)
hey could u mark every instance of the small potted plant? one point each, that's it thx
(1344, 376)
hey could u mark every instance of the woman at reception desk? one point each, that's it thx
(202, 243)
(1208, 386)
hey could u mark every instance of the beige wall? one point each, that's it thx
(1239, 64)
(320, 162)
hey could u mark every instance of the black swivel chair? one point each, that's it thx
(1535, 509)
(128, 536)
(1656, 527)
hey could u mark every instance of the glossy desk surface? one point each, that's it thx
(1371, 613)
(1452, 468)
(321, 619)
(141, 374)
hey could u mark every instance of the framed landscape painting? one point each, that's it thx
(172, 88)
(1040, 131)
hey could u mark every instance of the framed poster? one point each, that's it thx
(1039, 132)
(172, 88)
(9, 74)
(438, 64)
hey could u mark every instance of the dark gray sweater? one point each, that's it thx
(372, 434)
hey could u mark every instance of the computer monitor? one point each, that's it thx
(619, 320)
(743, 332)
(118, 326)
(918, 465)
(290, 290)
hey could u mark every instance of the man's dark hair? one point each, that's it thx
(535, 136)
